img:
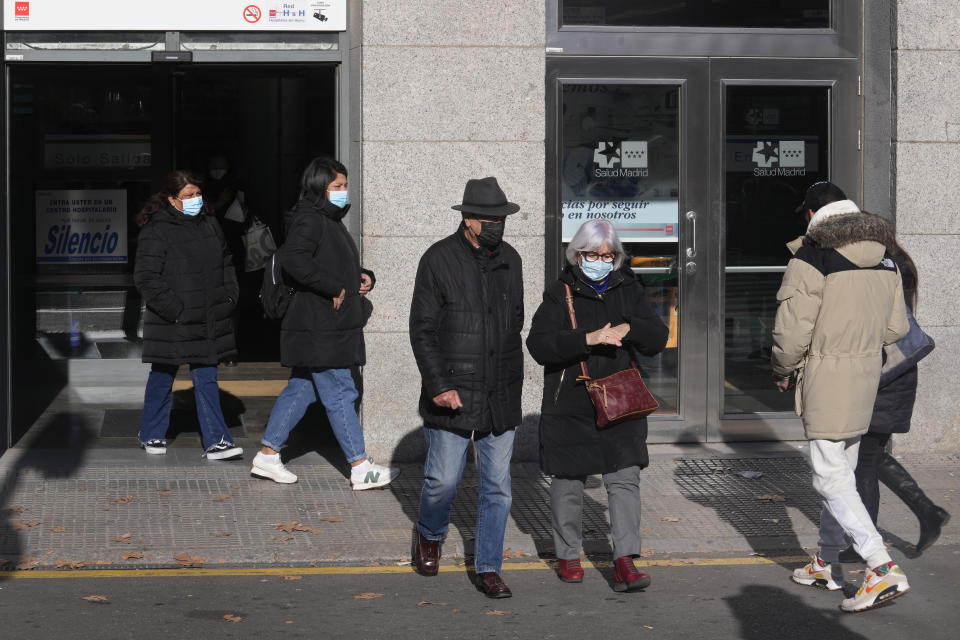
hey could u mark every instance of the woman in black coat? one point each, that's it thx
(892, 412)
(184, 271)
(321, 336)
(615, 320)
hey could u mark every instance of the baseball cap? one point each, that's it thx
(820, 194)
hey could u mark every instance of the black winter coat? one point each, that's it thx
(184, 271)
(893, 408)
(570, 442)
(465, 322)
(319, 260)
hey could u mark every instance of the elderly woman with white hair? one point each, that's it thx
(615, 322)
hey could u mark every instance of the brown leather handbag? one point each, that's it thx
(618, 396)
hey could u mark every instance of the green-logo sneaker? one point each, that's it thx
(371, 475)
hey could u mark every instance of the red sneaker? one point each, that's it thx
(570, 570)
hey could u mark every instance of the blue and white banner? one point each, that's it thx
(81, 225)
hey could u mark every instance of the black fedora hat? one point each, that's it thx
(484, 197)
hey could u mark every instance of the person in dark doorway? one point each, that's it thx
(227, 203)
(892, 411)
(321, 335)
(184, 271)
(841, 300)
(465, 321)
(615, 321)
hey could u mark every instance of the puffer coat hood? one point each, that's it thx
(841, 300)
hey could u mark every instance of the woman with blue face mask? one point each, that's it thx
(184, 271)
(615, 323)
(321, 333)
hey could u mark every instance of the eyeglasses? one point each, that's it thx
(593, 256)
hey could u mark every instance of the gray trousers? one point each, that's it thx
(623, 495)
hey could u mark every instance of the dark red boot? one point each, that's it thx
(626, 577)
(570, 570)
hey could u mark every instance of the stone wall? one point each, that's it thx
(451, 90)
(927, 194)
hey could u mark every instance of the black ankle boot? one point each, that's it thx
(898, 480)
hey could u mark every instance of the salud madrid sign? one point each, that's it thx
(175, 15)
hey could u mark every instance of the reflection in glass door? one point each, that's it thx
(621, 161)
(776, 145)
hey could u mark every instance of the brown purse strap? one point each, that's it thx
(573, 323)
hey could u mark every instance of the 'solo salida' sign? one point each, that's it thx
(81, 225)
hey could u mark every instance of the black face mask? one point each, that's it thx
(491, 234)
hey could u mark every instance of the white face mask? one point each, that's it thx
(218, 174)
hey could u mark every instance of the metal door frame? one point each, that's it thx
(691, 76)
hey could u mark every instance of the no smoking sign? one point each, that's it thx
(251, 13)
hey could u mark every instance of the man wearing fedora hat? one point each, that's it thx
(465, 322)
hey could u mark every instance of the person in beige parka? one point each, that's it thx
(840, 301)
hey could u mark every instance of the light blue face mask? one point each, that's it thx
(597, 270)
(339, 198)
(192, 206)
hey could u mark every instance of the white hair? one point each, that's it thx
(592, 235)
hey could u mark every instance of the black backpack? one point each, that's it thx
(275, 295)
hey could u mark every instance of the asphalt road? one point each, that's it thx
(733, 598)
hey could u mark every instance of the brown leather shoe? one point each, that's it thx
(426, 555)
(492, 585)
(626, 577)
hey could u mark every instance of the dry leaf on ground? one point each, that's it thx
(497, 612)
(331, 519)
(294, 525)
(670, 519)
(16, 509)
(70, 564)
(186, 560)
(771, 497)
(225, 534)
(124, 539)
(223, 497)
(100, 599)
(124, 500)
(293, 577)
(27, 562)
(232, 618)
(19, 525)
(162, 492)
(101, 563)
(646, 553)
(427, 603)
(367, 596)
(132, 555)
(58, 529)
(280, 539)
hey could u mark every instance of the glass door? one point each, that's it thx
(631, 147)
(782, 125)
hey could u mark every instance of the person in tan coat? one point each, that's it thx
(840, 301)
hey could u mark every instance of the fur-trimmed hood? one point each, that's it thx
(846, 228)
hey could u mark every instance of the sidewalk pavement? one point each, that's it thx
(120, 508)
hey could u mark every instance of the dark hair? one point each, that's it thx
(173, 184)
(908, 268)
(317, 177)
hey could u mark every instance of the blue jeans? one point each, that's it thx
(158, 399)
(335, 389)
(446, 457)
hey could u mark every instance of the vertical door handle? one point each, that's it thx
(691, 266)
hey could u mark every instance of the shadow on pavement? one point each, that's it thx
(58, 449)
(766, 612)
(757, 508)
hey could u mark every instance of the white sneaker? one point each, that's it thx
(223, 451)
(370, 475)
(816, 574)
(155, 447)
(270, 467)
(882, 583)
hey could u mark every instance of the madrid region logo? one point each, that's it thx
(627, 159)
(780, 157)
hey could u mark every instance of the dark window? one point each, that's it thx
(753, 14)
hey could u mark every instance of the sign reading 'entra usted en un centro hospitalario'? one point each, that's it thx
(175, 15)
(81, 225)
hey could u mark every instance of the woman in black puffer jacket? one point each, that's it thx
(321, 335)
(892, 412)
(184, 271)
(615, 319)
